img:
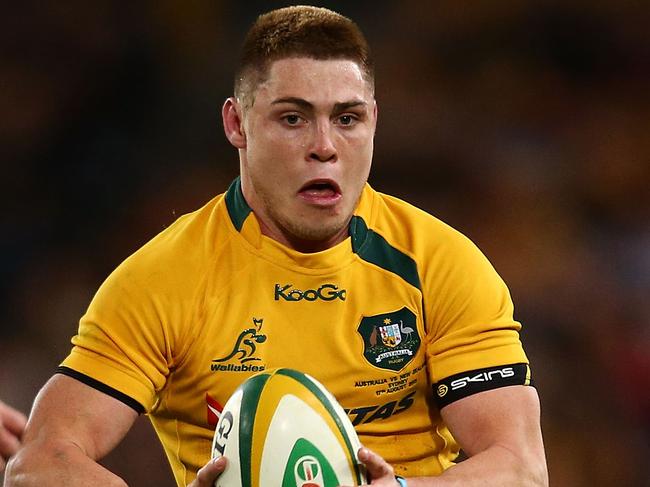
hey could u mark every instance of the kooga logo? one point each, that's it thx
(327, 292)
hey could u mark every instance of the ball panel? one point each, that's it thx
(296, 429)
(308, 467)
(252, 392)
(288, 382)
(226, 441)
(282, 427)
(335, 412)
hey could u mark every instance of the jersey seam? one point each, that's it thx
(400, 248)
(178, 451)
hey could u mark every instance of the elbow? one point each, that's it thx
(54, 464)
(540, 474)
(526, 467)
(534, 470)
(17, 471)
(535, 476)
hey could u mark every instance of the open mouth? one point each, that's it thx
(321, 189)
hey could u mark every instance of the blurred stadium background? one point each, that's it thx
(523, 124)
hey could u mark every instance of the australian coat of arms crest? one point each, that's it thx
(390, 340)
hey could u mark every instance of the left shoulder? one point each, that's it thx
(412, 229)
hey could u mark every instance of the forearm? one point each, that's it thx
(57, 465)
(496, 466)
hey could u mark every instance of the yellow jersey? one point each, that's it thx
(403, 317)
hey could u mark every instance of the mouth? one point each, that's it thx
(321, 192)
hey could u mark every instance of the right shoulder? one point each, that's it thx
(181, 250)
(170, 270)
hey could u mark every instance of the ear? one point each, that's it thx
(231, 114)
(375, 113)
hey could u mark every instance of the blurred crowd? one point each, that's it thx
(522, 124)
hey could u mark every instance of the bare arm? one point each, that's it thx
(12, 425)
(70, 428)
(500, 432)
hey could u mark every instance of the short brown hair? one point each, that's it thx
(300, 31)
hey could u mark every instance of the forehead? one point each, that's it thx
(315, 80)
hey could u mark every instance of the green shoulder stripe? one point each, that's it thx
(373, 248)
(238, 209)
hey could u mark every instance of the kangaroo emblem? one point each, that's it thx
(245, 347)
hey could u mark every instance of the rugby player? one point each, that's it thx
(300, 264)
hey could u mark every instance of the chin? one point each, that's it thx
(321, 232)
(317, 234)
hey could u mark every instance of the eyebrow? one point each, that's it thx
(305, 105)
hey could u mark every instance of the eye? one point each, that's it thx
(347, 119)
(292, 119)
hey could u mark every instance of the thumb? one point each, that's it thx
(207, 475)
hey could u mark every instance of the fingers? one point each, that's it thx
(209, 473)
(13, 420)
(379, 471)
(9, 443)
(12, 425)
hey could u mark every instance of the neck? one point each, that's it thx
(306, 246)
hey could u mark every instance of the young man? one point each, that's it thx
(300, 264)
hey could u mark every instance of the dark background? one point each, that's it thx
(522, 124)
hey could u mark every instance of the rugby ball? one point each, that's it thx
(283, 428)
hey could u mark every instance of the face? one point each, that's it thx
(305, 148)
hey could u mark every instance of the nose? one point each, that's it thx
(322, 147)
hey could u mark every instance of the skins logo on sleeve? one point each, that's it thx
(471, 382)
